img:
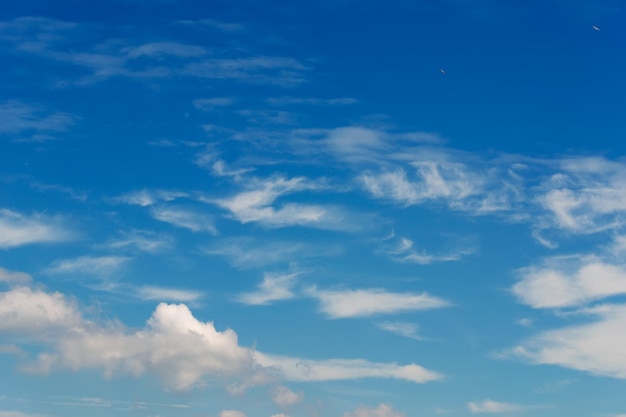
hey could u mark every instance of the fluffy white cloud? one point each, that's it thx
(569, 281)
(368, 302)
(489, 406)
(299, 369)
(274, 287)
(284, 397)
(187, 219)
(595, 347)
(17, 229)
(31, 311)
(180, 349)
(383, 410)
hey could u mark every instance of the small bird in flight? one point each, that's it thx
(441, 70)
(595, 27)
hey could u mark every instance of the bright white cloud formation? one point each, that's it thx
(595, 347)
(383, 410)
(368, 302)
(489, 406)
(284, 397)
(17, 229)
(183, 351)
(570, 281)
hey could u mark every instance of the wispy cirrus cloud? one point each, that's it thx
(140, 240)
(383, 410)
(186, 218)
(372, 301)
(274, 287)
(401, 328)
(17, 229)
(402, 250)
(17, 117)
(148, 197)
(280, 101)
(157, 293)
(100, 266)
(490, 406)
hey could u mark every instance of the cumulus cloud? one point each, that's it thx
(274, 287)
(383, 410)
(284, 397)
(181, 350)
(569, 281)
(368, 302)
(17, 229)
(489, 406)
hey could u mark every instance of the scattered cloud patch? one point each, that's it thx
(185, 218)
(490, 406)
(155, 293)
(404, 329)
(101, 266)
(17, 229)
(14, 277)
(284, 397)
(275, 287)
(383, 410)
(369, 302)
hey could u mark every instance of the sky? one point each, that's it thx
(312, 209)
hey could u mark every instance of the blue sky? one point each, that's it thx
(334, 208)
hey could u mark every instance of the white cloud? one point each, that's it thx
(284, 397)
(101, 266)
(208, 104)
(30, 311)
(489, 406)
(187, 219)
(402, 250)
(248, 253)
(232, 413)
(140, 240)
(152, 292)
(299, 369)
(595, 347)
(274, 287)
(17, 229)
(311, 101)
(17, 117)
(404, 329)
(383, 410)
(569, 281)
(146, 197)
(368, 302)
(14, 277)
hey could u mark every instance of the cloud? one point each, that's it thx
(256, 205)
(569, 281)
(142, 241)
(100, 266)
(402, 250)
(17, 229)
(14, 277)
(152, 292)
(185, 218)
(18, 414)
(208, 104)
(280, 101)
(275, 287)
(284, 397)
(368, 302)
(383, 410)
(489, 406)
(299, 369)
(18, 117)
(587, 195)
(400, 328)
(232, 413)
(146, 197)
(181, 350)
(595, 347)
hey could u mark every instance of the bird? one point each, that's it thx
(441, 70)
(595, 27)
